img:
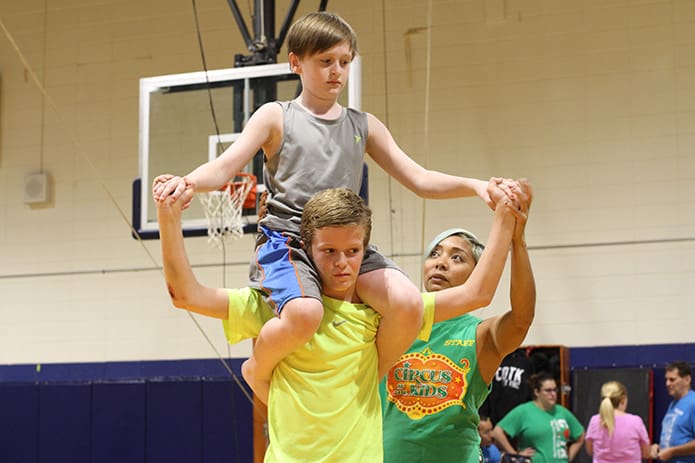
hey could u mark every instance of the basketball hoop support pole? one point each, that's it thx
(264, 45)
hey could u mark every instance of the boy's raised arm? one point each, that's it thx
(261, 131)
(426, 183)
(183, 287)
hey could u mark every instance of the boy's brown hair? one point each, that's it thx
(334, 208)
(319, 31)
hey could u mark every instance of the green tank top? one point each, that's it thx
(430, 398)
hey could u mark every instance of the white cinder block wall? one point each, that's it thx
(593, 101)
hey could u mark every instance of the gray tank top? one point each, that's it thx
(315, 154)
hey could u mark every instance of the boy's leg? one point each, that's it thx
(397, 299)
(282, 270)
(297, 323)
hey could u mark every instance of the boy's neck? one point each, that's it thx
(320, 108)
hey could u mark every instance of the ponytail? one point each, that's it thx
(612, 393)
(607, 414)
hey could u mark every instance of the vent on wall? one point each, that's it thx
(36, 188)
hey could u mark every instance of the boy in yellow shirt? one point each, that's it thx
(323, 401)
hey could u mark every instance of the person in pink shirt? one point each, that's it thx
(615, 435)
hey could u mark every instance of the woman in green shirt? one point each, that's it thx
(431, 396)
(545, 431)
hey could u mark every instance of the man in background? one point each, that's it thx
(677, 443)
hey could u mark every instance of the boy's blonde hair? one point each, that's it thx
(334, 208)
(319, 31)
(612, 393)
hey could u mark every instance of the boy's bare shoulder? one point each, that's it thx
(270, 118)
(377, 130)
(272, 109)
(267, 117)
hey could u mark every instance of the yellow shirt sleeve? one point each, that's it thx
(246, 314)
(427, 317)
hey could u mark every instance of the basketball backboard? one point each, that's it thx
(177, 132)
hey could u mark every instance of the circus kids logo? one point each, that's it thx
(426, 383)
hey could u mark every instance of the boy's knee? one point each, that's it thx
(304, 315)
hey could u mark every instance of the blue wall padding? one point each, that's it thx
(174, 421)
(148, 421)
(227, 428)
(118, 371)
(186, 410)
(65, 423)
(19, 423)
(653, 355)
(118, 422)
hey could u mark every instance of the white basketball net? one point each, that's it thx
(223, 210)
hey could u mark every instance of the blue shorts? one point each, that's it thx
(283, 270)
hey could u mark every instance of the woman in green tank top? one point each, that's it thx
(431, 396)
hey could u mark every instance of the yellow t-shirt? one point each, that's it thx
(324, 401)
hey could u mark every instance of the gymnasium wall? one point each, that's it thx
(593, 101)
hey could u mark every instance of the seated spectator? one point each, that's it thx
(490, 452)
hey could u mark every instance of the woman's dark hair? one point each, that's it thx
(539, 378)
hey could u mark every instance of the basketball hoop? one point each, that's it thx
(223, 208)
